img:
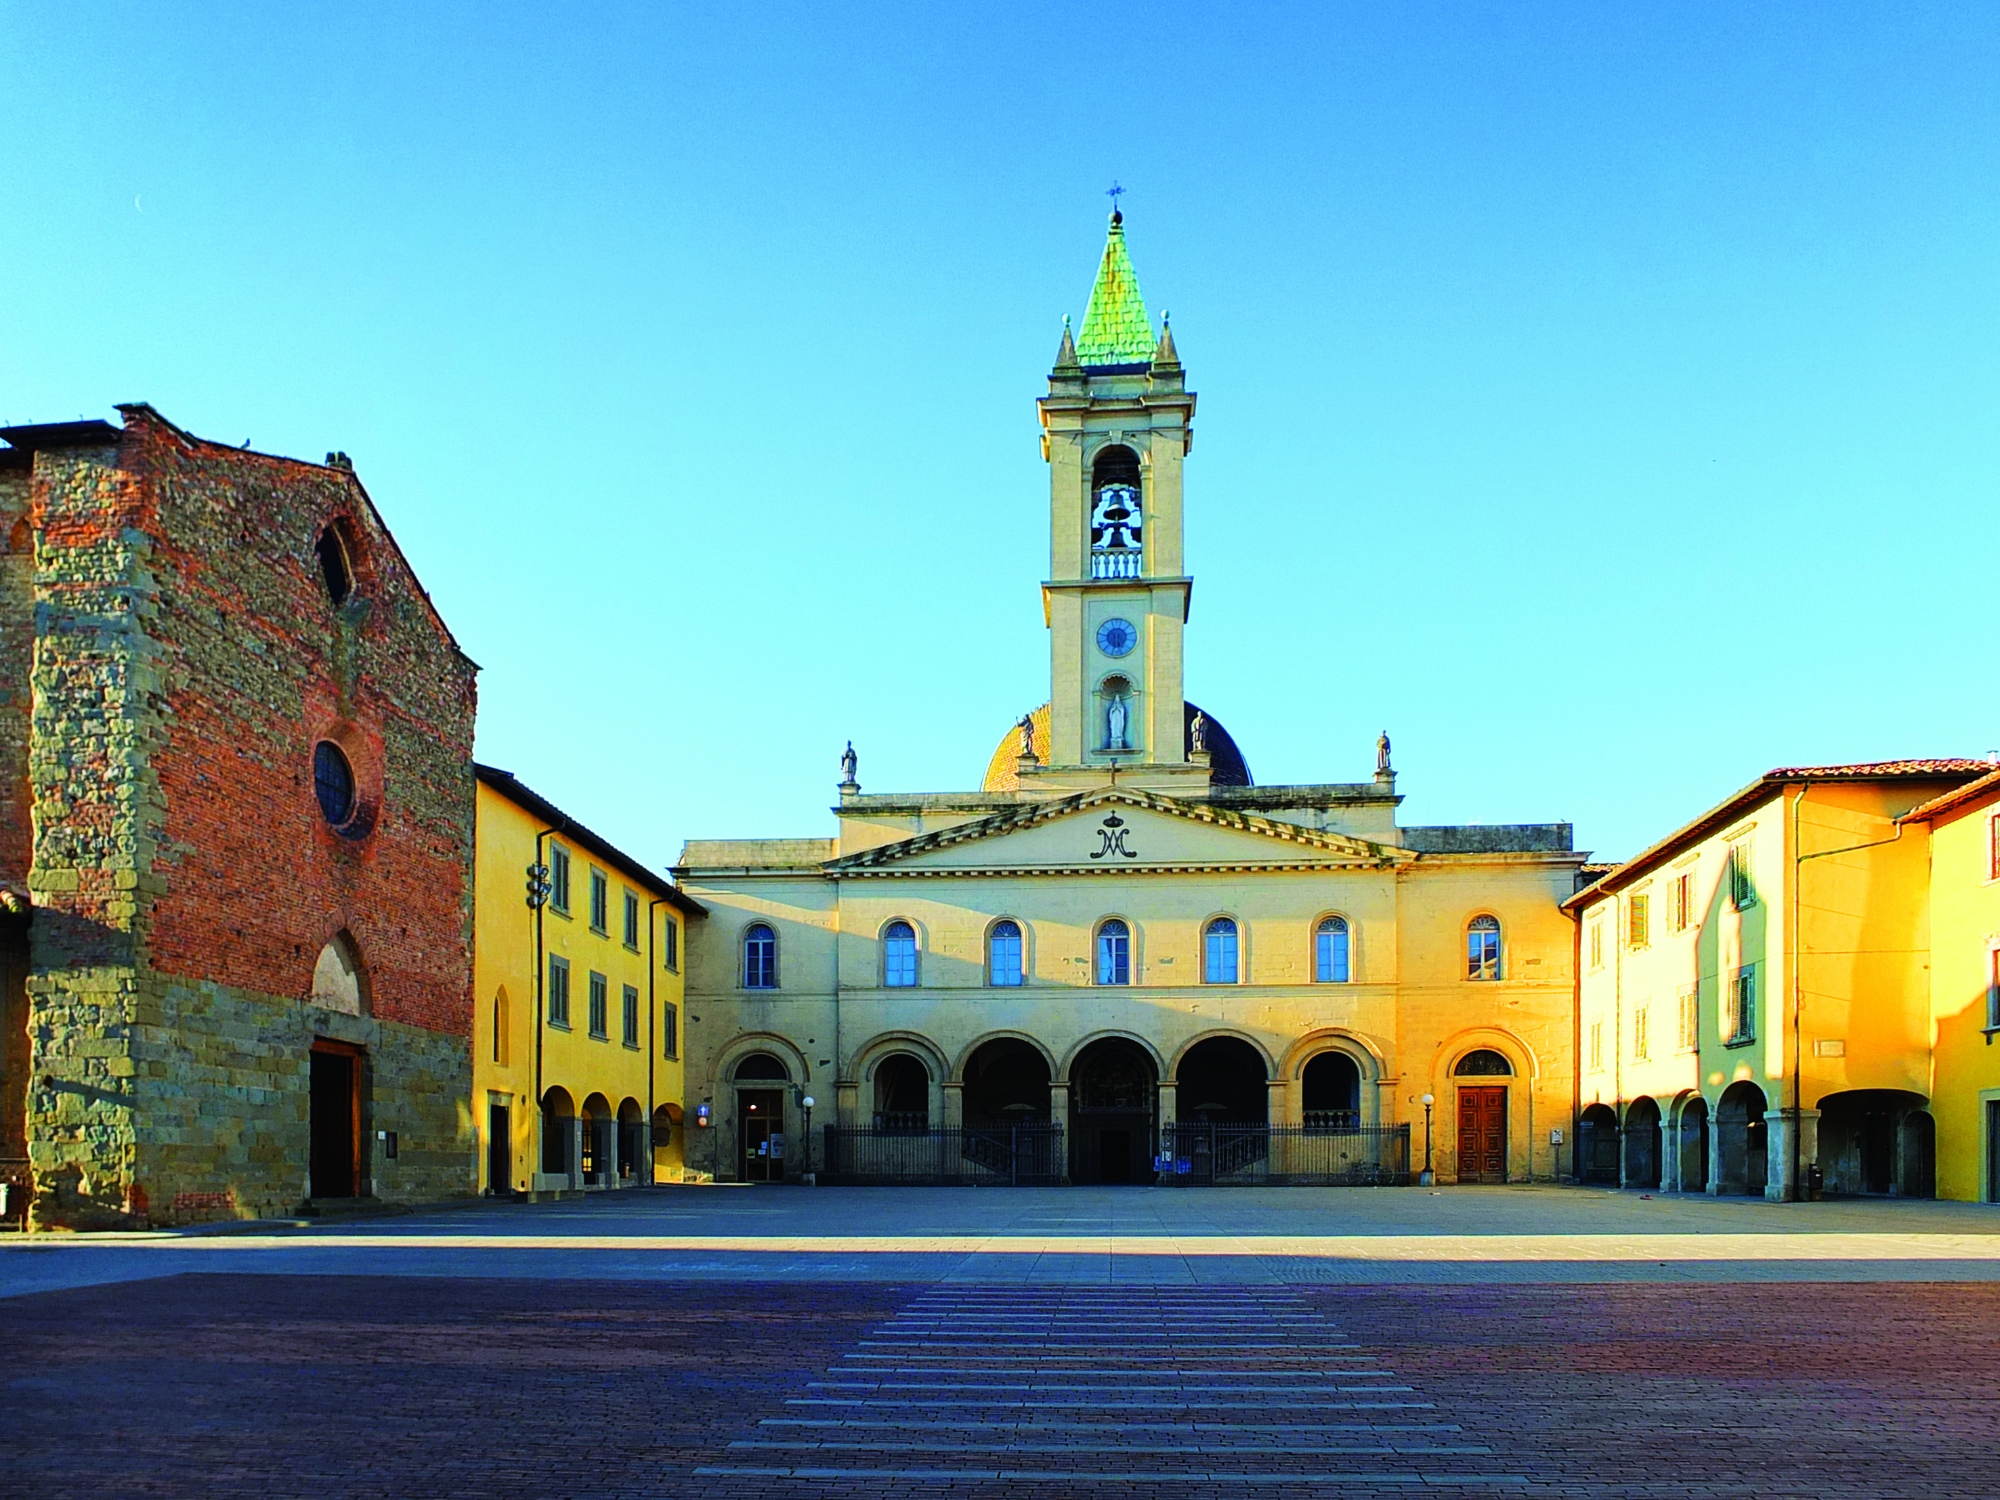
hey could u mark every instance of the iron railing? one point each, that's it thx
(999, 1155)
(1310, 1155)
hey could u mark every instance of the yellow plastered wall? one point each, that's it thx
(1965, 930)
(639, 1078)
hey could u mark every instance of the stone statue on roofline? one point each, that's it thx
(1026, 724)
(1198, 733)
(849, 764)
(1382, 767)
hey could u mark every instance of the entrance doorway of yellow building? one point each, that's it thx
(1482, 1133)
(499, 1149)
(760, 1126)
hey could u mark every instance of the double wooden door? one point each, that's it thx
(1482, 1134)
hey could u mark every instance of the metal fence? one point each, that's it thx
(1000, 1156)
(1310, 1155)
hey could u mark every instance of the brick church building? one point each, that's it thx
(236, 838)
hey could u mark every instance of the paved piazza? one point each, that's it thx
(795, 1342)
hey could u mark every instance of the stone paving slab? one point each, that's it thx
(267, 1385)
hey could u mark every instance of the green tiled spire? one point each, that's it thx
(1115, 328)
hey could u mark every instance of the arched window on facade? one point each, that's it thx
(339, 980)
(1114, 953)
(1483, 1063)
(1004, 966)
(1482, 948)
(1330, 951)
(759, 1067)
(336, 569)
(760, 958)
(1116, 533)
(899, 956)
(1219, 952)
(1331, 1090)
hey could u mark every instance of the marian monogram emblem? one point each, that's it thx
(1111, 839)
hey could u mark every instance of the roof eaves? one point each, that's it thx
(508, 785)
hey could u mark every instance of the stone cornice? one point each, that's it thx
(1346, 848)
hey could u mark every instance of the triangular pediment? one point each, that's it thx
(1113, 828)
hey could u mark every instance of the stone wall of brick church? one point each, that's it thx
(187, 661)
(225, 1126)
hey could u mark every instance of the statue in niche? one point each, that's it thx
(1382, 754)
(849, 763)
(1198, 733)
(1026, 725)
(1115, 717)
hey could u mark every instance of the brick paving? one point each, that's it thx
(226, 1385)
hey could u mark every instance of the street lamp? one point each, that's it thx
(806, 1104)
(1429, 1176)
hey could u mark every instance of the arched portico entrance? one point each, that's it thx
(1741, 1159)
(1692, 1136)
(558, 1138)
(761, 1080)
(1597, 1147)
(1114, 1103)
(902, 1094)
(1876, 1142)
(1642, 1144)
(600, 1142)
(1330, 1092)
(1006, 1083)
(1220, 1081)
(633, 1156)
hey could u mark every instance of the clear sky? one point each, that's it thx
(1601, 398)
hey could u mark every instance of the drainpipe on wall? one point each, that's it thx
(652, 1039)
(1575, 1048)
(541, 970)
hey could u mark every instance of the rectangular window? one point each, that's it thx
(670, 935)
(1639, 920)
(1739, 1019)
(600, 1004)
(559, 992)
(1596, 1046)
(1597, 945)
(670, 1031)
(1640, 1040)
(559, 878)
(1742, 889)
(600, 902)
(631, 1016)
(500, 1028)
(1690, 1022)
(632, 921)
(1114, 954)
(1993, 847)
(1683, 900)
(1993, 990)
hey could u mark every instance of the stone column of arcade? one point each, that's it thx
(1278, 1110)
(954, 1106)
(576, 1152)
(1059, 1115)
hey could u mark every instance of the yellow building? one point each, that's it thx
(1964, 827)
(577, 1029)
(1754, 996)
(1118, 957)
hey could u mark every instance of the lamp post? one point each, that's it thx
(806, 1104)
(1429, 1176)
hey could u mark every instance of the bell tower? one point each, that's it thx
(1117, 424)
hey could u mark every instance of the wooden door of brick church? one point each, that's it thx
(1482, 1134)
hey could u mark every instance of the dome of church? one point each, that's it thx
(1226, 766)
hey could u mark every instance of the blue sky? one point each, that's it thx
(1603, 399)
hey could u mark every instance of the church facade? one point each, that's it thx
(1118, 940)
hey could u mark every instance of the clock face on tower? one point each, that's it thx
(1116, 637)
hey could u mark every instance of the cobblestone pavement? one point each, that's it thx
(268, 1385)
